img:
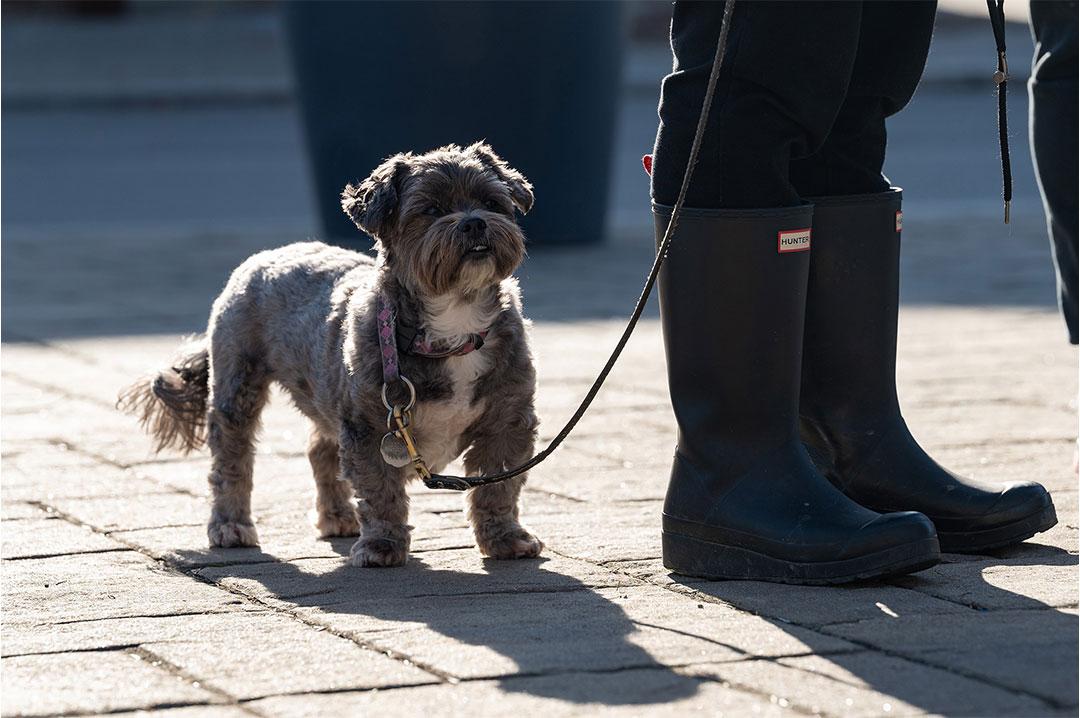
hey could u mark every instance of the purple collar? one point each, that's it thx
(413, 341)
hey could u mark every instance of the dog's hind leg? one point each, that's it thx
(334, 500)
(240, 387)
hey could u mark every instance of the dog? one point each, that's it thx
(307, 316)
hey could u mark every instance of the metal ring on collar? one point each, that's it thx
(390, 419)
(412, 394)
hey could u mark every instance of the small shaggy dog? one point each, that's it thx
(306, 316)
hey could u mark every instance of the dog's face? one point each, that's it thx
(444, 221)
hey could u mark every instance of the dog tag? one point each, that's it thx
(393, 450)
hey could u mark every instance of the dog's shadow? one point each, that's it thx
(542, 625)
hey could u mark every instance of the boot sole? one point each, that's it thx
(999, 536)
(689, 556)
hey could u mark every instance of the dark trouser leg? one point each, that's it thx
(851, 418)
(894, 38)
(784, 78)
(1053, 88)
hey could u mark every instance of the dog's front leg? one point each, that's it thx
(383, 503)
(503, 439)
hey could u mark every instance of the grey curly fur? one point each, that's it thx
(171, 405)
(304, 317)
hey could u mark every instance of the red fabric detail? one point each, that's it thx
(647, 161)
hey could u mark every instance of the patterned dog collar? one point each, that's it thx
(414, 341)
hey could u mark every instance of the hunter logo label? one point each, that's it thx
(899, 220)
(793, 240)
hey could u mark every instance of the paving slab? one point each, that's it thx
(249, 650)
(101, 585)
(41, 538)
(1035, 582)
(628, 531)
(151, 510)
(653, 692)
(92, 682)
(870, 684)
(1022, 650)
(43, 635)
(585, 629)
(83, 477)
(816, 605)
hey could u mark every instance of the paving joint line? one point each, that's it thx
(57, 441)
(178, 614)
(119, 648)
(121, 709)
(67, 553)
(57, 390)
(172, 669)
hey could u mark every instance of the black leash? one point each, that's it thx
(1001, 78)
(462, 483)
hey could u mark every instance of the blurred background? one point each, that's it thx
(150, 146)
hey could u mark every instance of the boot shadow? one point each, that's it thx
(973, 640)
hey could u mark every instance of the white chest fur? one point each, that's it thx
(440, 425)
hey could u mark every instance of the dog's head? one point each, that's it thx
(444, 220)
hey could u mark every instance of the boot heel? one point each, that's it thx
(690, 556)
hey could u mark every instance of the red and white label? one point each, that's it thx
(793, 240)
(899, 220)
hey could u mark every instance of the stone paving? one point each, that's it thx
(113, 602)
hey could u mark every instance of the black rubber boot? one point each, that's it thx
(745, 501)
(851, 420)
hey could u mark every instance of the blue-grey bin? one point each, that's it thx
(538, 80)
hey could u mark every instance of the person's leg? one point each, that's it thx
(894, 38)
(783, 79)
(851, 418)
(1053, 90)
(744, 500)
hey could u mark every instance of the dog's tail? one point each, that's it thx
(171, 405)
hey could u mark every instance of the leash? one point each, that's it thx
(1001, 77)
(398, 446)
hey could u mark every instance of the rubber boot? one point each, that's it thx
(851, 420)
(744, 500)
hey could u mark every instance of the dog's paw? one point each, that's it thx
(338, 523)
(508, 543)
(228, 534)
(379, 551)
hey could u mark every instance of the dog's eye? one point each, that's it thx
(494, 206)
(435, 210)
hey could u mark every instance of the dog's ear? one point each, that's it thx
(373, 204)
(521, 190)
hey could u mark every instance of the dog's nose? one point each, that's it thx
(472, 227)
